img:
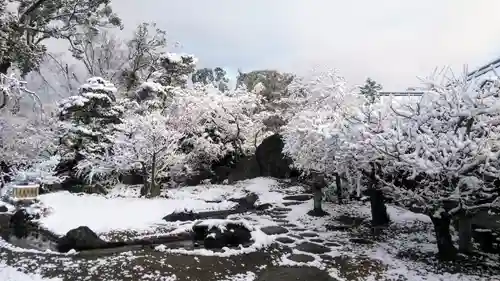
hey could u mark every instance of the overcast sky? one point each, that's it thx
(392, 41)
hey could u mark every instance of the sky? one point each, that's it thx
(391, 41)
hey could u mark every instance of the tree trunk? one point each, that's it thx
(338, 183)
(153, 188)
(4, 67)
(377, 202)
(145, 186)
(465, 234)
(318, 198)
(446, 249)
(378, 209)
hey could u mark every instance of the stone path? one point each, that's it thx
(306, 246)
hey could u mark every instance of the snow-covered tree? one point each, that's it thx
(315, 133)
(176, 69)
(371, 91)
(216, 124)
(14, 89)
(88, 122)
(148, 144)
(27, 139)
(448, 144)
(216, 76)
(26, 24)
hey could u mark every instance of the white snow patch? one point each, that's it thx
(103, 214)
(400, 215)
(8, 273)
(247, 276)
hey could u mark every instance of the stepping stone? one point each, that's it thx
(280, 220)
(279, 216)
(300, 197)
(301, 258)
(285, 240)
(332, 244)
(292, 203)
(362, 241)
(312, 248)
(273, 230)
(338, 227)
(308, 234)
(317, 240)
(326, 257)
(289, 225)
(294, 273)
(299, 229)
(281, 209)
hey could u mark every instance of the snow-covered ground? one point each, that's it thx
(101, 214)
(381, 259)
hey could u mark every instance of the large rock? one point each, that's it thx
(191, 216)
(20, 223)
(246, 168)
(229, 234)
(247, 202)
(181, 216)
(3, 209)
(81, 238)
(271, 160)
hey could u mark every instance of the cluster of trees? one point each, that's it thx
(439, 155)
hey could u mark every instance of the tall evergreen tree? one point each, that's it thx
(371, 90)
(88, 120)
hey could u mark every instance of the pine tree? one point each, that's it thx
(88, 120)
(371, 91)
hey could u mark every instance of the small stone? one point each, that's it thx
(361, 241)
(279, 216)
(308, 234)
(301, 258)
(3, 209)
(317, 240)
(292, 203)
(289, 225)
(280, 220)
(294, 273)
(332, 244)
(273, 230)
(285, 240)
(281, 209)
(337, 227)
(326, 257)
(300, 197)
(312, 248)
(299, 229)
